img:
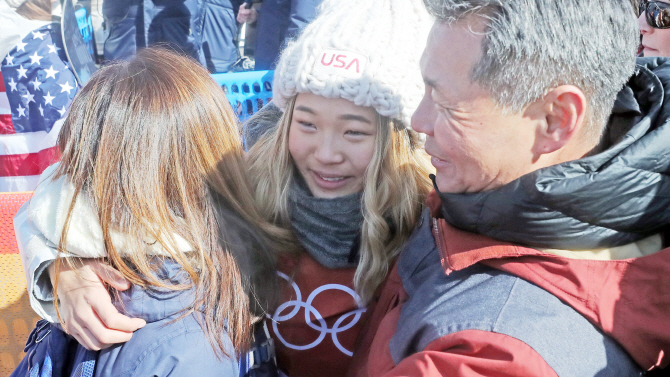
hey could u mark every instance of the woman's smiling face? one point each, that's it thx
(332, 142)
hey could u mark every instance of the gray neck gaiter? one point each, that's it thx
(329, 229)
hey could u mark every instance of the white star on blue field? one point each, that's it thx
(39, 85)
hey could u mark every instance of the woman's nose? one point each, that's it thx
(328, 152)
(643, 25)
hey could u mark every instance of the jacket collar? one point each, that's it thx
(464, 249)
(154, 304)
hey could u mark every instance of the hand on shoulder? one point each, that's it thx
(86, 307)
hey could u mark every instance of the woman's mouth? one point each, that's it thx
(647, 48)
(333, 179)
(328, 181)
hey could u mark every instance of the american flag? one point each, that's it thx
(36, 89)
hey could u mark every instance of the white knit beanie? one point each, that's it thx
(364, 51)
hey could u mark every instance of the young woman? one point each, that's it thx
(343, 170)
(340, 167)
(152, 179)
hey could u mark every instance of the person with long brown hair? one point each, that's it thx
(152, 181)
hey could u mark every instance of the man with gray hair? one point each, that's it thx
(545, 248)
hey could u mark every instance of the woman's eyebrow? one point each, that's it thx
(305, 109)
(359, 118)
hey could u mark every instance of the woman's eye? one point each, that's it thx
(306, 124)
(356, 133)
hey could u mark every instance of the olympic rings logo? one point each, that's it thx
(311, 312)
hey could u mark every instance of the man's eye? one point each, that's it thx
(445, 110)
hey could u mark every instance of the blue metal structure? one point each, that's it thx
(85, 27)
(247, 92)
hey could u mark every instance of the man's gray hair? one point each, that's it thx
(532, 46)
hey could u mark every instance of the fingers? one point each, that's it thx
(90, 341)
(86, 307)
(253, 16)
(109, 275)
(75, 322)
(83, 320)
(86, 339)
(243, 13)
(110, 318)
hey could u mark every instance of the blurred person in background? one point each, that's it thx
(654, 21)
(203, 29)
(278, 22)
(32, 10)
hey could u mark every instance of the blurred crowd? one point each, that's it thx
(211, 30)
(208, 30)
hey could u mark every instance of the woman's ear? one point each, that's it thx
(565, 109)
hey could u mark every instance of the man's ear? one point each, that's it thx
(564, 108)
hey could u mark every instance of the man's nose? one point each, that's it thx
(423, 119)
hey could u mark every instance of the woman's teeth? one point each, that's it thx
(332, 179)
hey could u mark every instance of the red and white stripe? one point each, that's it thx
(23, 156)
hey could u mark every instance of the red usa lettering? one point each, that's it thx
(340, 63)
(339, 60)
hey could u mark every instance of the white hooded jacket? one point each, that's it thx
(39, 223)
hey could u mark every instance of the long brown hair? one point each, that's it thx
(154, 143)
(396, 186)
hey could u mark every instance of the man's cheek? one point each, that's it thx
(447, 183)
